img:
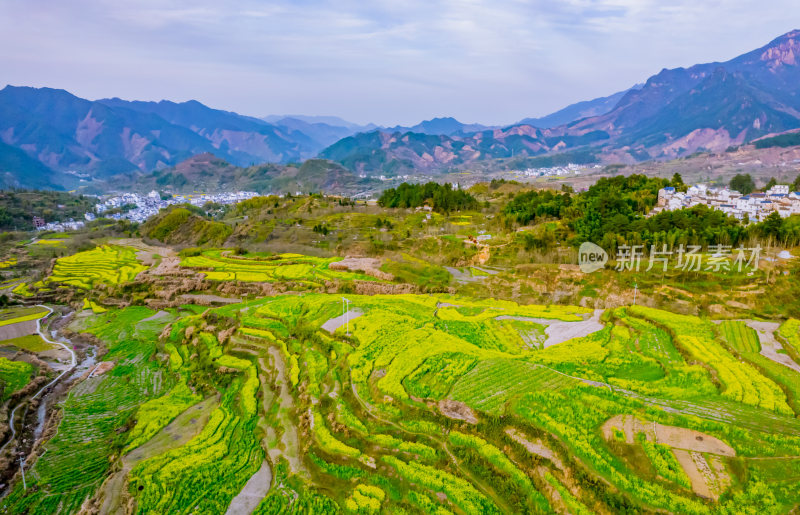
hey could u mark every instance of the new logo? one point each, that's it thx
(591, 257)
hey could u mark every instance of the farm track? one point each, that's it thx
(72, 366)
(289, 438)
(558, 331)
(256, 488)
(770, 346)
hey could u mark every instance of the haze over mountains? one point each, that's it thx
(51, 138)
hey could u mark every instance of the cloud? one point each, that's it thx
(384, 61)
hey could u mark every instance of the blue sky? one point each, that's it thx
(388, 62)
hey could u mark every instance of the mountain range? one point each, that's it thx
(706, 107)
(50, 138)
(207, 172)
(579, 110)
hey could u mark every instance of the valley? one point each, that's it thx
(579, 296)
(239, 363)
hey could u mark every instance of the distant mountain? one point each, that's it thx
(322, 134)
(403, 153)
(241, 139)
(708, 106)
(100, 139)
(675, 113)
(206, 172)
(578, 111)
(447, 126)
(333, 121)
(19, 170)
(51, 138)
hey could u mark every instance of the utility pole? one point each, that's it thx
(22, 469)
(346, 308)
(635, 287)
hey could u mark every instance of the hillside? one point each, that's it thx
(708, 106)
(206, 172)
(19, 170)
(101, 139)
(369, 358)
(403, 153)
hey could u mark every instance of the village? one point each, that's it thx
(753, 207)
(138, 208)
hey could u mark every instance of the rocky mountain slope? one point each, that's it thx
(675, 113)
(100, 139)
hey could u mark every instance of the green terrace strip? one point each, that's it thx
(16, 315)
(664, 461)
(501, 463)
(742, 382)
(459, 490)
(13, 376)
(223, 265)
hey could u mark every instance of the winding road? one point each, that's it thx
(48, 385)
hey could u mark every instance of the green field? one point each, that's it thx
(32, 343)
(432, 398)
(13, 376)
(359, 421)
(21, 314)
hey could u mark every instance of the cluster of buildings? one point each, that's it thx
(754, 206)
(570, 169)
(69, 225)
(138, 208)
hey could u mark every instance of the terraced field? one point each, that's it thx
(21, 314)
(107, 264)
(421, 404)
(224, 265)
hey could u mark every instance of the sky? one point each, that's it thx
(386, 62)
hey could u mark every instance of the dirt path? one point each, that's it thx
(558, 331)
(175, 434)
(770, 347)
(689, 463)
(253, 491)
(289, 439)
(160, 314)
(675, 437)
(536, 447)
(335, 323)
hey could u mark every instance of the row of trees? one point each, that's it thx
(744, 183)
(613, 212)
(442, 198)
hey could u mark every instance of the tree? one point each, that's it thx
(743, 183)
(771, 226)
(677, 183)
(772, 182)
(796, 183)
